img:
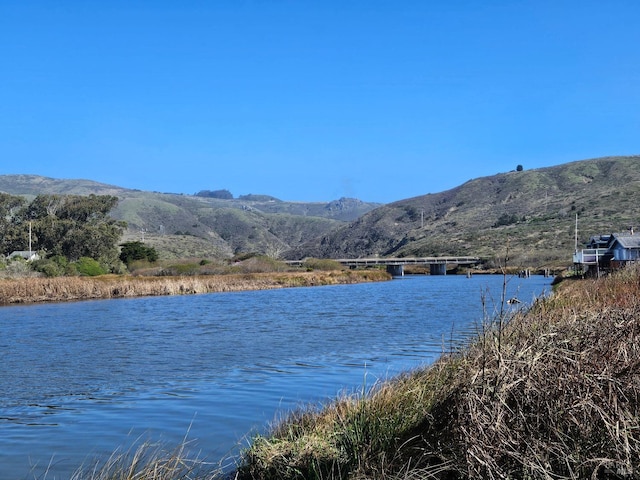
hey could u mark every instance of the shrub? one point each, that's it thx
(324, 264)
(55, 266)
(137, 251)
(89, 266)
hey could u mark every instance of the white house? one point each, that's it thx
(29, 256)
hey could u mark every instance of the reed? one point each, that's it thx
(552, 392)
(40, 289)
(148, 461)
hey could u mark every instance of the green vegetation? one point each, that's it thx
(221, 194)
(131, 251)
(69, 230)
(89, 267)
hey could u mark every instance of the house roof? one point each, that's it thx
(24, 254)
(625, 240)
(599, 241)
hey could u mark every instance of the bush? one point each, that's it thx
(137, 251)
(55, 266)
(324, 264)
(89, 266)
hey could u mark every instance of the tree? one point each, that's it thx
(73, 226)
(220, 194)
(519, 168)
(132, 251)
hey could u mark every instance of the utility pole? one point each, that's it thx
(576, 234)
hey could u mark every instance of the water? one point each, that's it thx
(81, 380)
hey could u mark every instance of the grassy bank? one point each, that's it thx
(551, 393)
(29, 290)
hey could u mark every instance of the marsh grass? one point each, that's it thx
(42, 289)
(150, 461)
(551, 392)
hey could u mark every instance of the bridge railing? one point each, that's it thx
(364, 262)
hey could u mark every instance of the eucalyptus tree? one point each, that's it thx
(72, 226)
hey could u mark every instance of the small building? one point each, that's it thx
(29, 256)
(624, 248)
(605, 252)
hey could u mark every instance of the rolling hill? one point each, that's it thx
(193, 226)
(528, 215)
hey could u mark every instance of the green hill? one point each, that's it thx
(529, 214)
(181, 226)
(532, 213)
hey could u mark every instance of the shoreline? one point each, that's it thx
(34, 290)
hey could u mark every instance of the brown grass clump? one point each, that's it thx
(150, 462)
(553, 393)
(42, 289)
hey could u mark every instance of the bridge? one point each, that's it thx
(395, 266)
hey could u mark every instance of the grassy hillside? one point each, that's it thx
(194, 226)
(532, 211)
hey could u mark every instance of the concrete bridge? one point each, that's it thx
(395, 266)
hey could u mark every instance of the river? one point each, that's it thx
(81, 380)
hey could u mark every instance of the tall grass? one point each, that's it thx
(113, 286)
(149, 461)
(555, 393)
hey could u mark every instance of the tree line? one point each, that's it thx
(69, 231)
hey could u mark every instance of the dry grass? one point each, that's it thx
(27, 290)
(150, 462)
(554, 393)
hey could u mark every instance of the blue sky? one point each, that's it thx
(314, 100)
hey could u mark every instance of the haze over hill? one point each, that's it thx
(529, 215)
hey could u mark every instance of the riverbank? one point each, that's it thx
(61, 289)
(553, 392)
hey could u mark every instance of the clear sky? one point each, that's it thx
(314, 100)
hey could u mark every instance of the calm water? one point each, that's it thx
(80, 380)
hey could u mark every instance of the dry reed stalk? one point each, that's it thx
(150, 462)
(563, 400)
(30, 290)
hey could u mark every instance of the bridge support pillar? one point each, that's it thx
(396, 270)
(438, 269)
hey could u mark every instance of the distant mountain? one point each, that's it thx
(527, 215)
(203, 226)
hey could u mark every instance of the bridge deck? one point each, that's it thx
(364, 262)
